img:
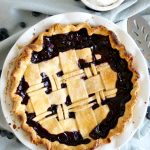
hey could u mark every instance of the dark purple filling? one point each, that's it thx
(83, 64)
(60, 74)
(21, 91)
(90, 95)
(47, 83)
(68, 101)
(71, 115)
(53, 109)
(63, 85)
(96, 105)
(99, 45)
(84, 77)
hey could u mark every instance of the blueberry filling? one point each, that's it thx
(47, 83)
(84, 77)
(90, 95)
(83, 64)
(21, 91)
(53, 109)
(71, 115)
(68, 101)
(99, 45)
(95, 106)
(63, 85)
(60, 73)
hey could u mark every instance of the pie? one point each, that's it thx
(74, 87)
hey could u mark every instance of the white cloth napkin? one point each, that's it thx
(12, 12)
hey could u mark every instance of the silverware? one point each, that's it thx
(139, 30)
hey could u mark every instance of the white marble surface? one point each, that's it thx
(145, 142)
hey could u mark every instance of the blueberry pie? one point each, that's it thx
(74, 87)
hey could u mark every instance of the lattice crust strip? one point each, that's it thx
(86, 121)
(83, 92)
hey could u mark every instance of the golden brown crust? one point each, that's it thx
(23, 61)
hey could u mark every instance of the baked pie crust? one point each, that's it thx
(87, 87)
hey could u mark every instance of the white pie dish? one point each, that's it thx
(92, 5)
(93, 20)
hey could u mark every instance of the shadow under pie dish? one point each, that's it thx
(74, 87)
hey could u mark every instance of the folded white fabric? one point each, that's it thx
(17, 15)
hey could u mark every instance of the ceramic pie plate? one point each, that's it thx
(96, 7)
(71, 18)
